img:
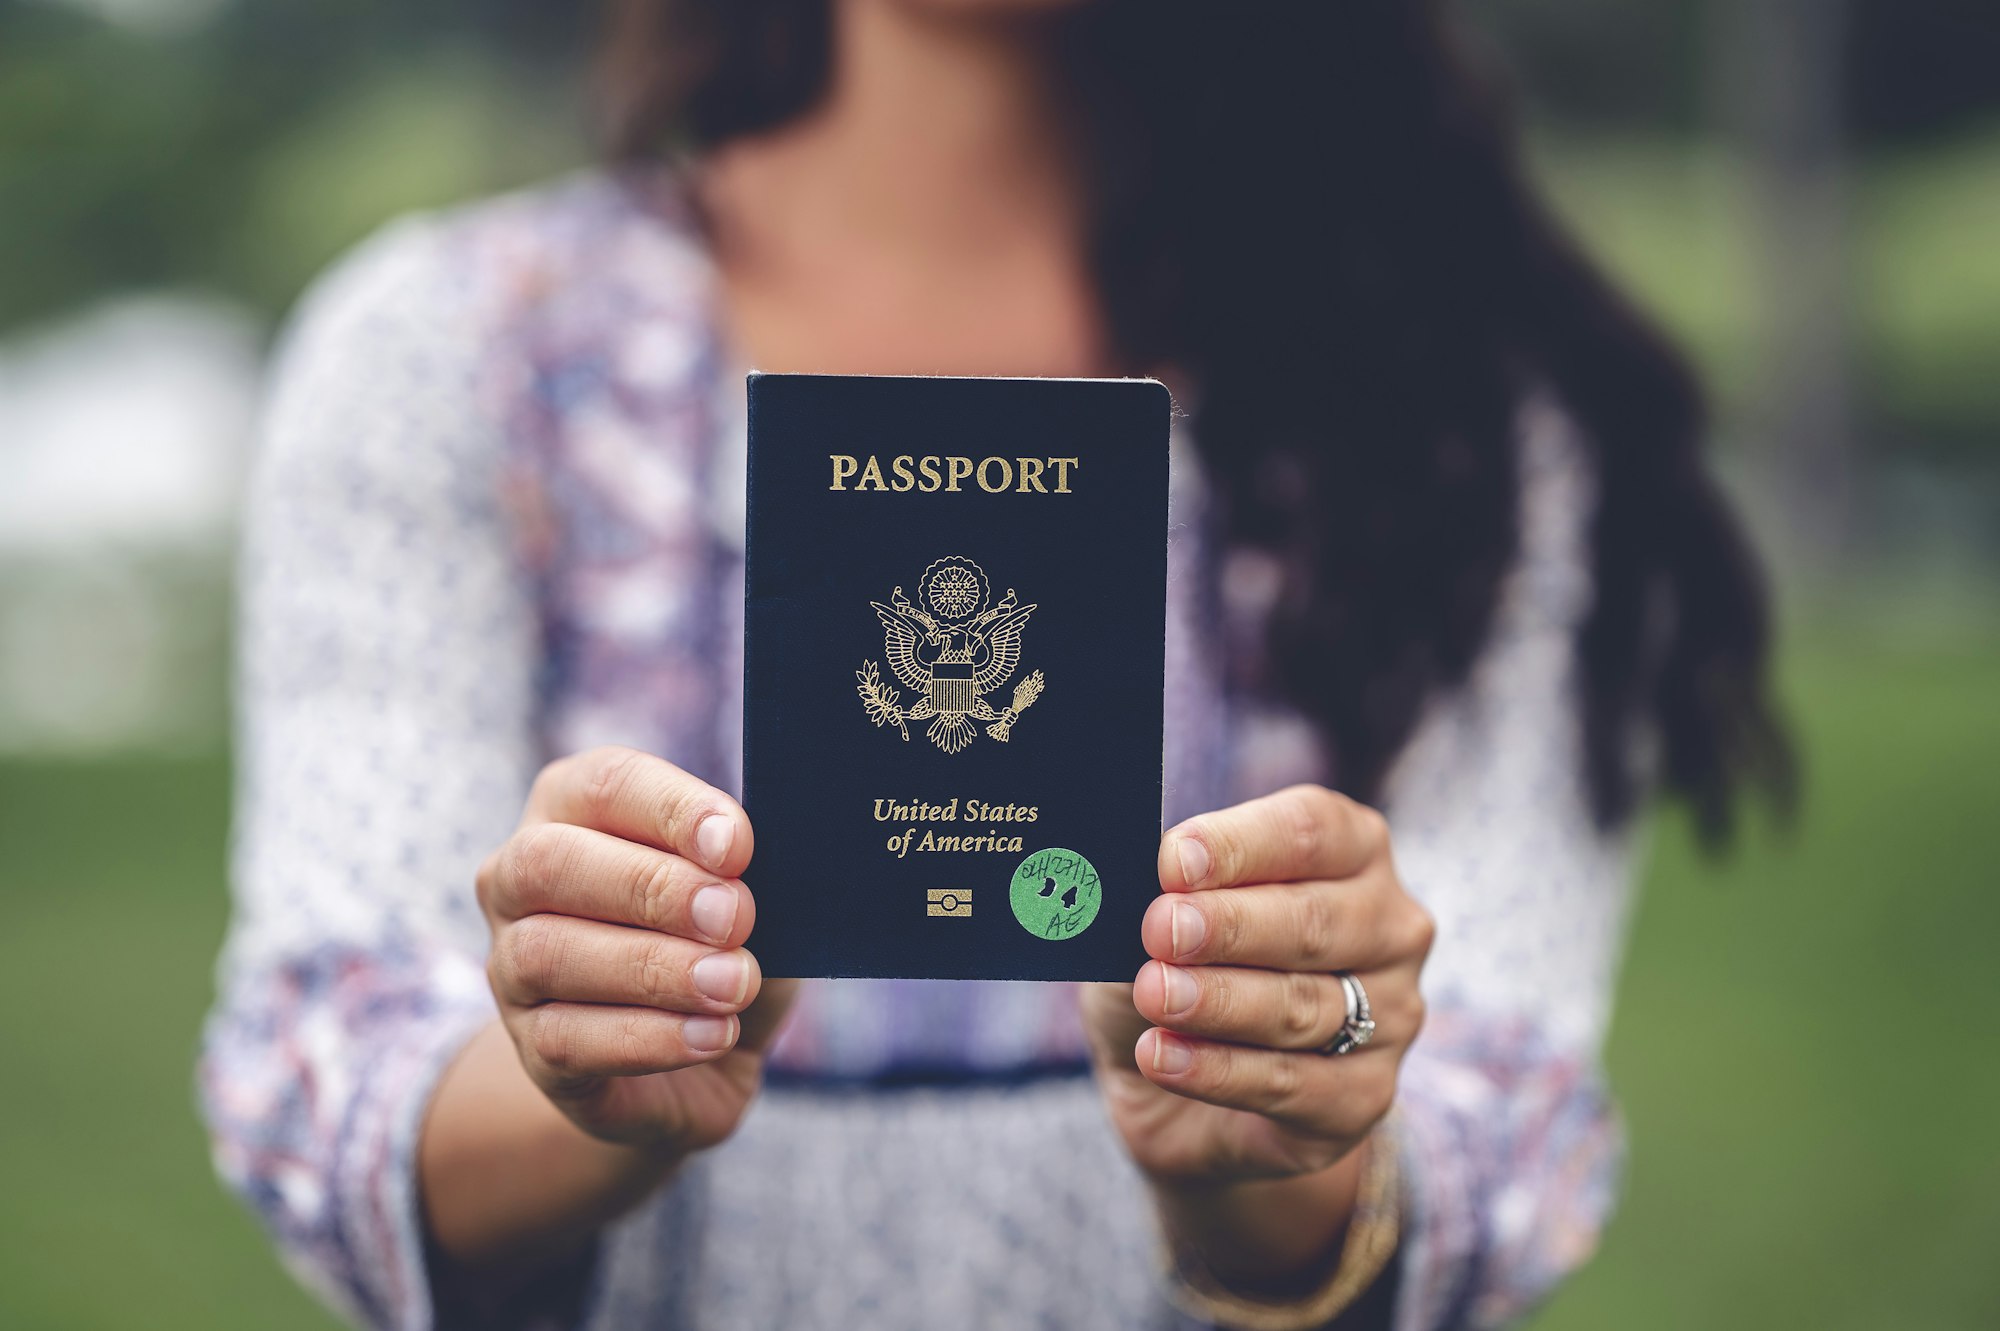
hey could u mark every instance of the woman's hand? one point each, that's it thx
(618, 927)
(1211, 1060)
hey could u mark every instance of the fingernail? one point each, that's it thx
(713, 837)
(1171, 1056)
(1186, 928)
(1180, 988)
(705, 1035)
(722, 976)
(1194, 860)
(714, 911)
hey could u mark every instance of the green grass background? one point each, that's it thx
(1803, 1046)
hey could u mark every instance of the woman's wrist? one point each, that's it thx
(509, 1183)
(1265, 1236)
(1228, 1282)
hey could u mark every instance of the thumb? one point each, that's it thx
(1113, 1023)
(765, 1016)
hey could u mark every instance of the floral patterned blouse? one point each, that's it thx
(498, 517)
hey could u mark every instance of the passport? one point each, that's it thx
(954, 648)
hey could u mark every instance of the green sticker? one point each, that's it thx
(1055, 893)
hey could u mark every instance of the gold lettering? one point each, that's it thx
(934, 472)
(1006, 475)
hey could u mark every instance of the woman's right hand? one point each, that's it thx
(618, 962)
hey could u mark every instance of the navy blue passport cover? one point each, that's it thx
(954, 625)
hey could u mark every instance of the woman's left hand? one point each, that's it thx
(1211, 1061)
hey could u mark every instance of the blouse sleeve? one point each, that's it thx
(1511, 1146)
(385, 741)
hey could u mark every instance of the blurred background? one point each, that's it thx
(1807, 192)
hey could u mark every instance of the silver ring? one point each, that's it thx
(1359, 1027)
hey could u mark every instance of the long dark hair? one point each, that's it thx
(1317, 212)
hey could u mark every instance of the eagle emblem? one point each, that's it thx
(951, 647)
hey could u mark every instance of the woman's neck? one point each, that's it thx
(935, 132)
(931, 186)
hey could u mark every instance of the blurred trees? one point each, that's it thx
(1909, 68)
(1806, 191)
(239, 145)
(236, 147)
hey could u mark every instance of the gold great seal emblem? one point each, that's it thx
(951, 648)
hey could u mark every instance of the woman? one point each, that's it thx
(1442, 543)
